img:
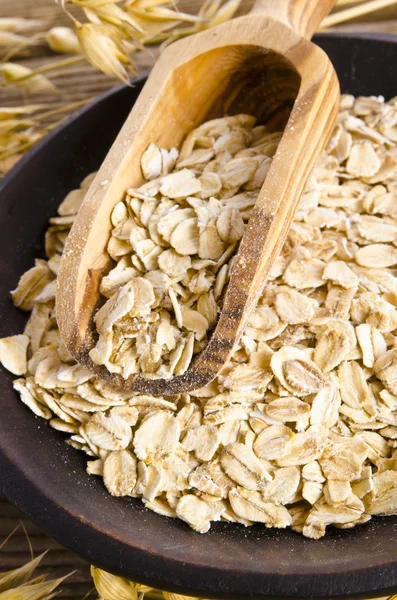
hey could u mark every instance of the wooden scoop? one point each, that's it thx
(261, 64)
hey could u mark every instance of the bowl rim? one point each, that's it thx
(14, 480)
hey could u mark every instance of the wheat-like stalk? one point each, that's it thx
(22, 126)
(353, 12)
(19, 584)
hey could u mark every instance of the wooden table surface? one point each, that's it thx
(77, 83)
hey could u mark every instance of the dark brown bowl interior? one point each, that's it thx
(47, 479)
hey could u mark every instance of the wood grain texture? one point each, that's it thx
(303, 16)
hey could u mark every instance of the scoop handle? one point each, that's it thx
(303, 16)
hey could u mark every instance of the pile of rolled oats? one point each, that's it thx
(300, 428)
(173, 240)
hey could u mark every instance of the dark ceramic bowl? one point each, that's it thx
(46, 478)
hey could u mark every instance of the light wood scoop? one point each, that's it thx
(261, 64)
